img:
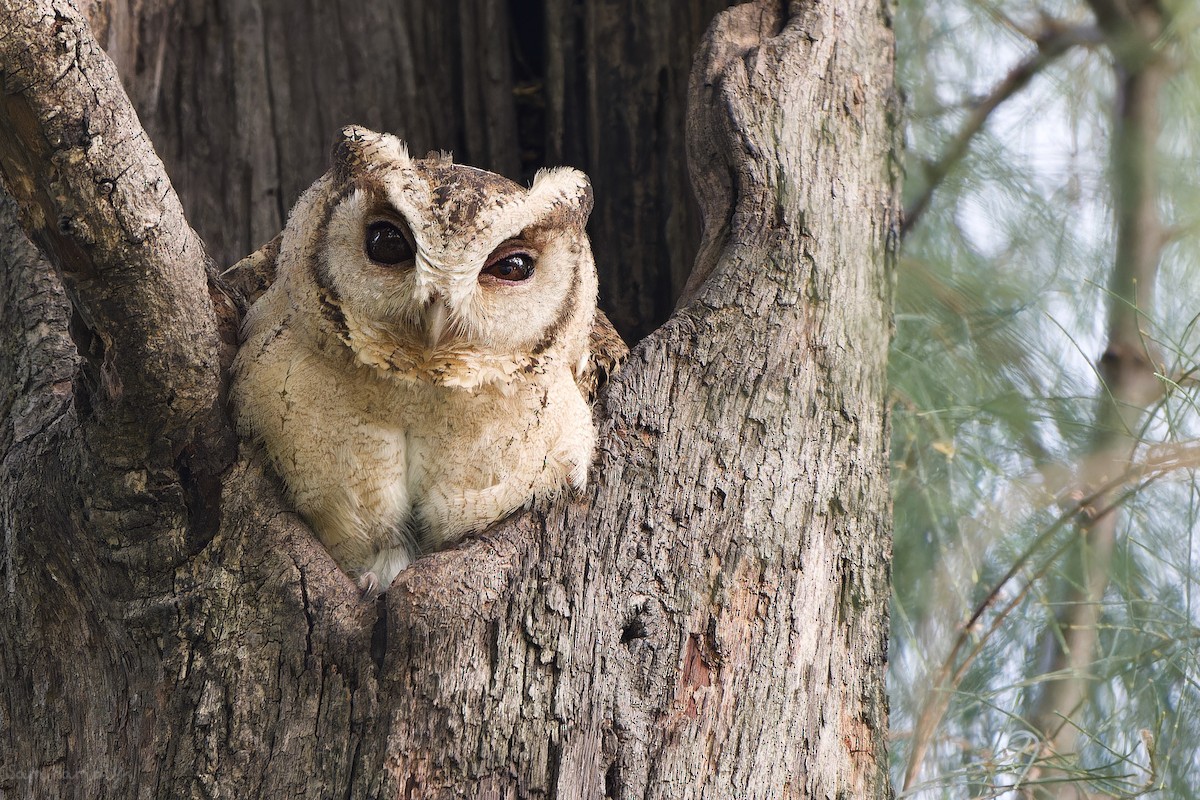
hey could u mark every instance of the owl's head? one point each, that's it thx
(435, 271)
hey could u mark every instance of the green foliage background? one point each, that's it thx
(1000, 320)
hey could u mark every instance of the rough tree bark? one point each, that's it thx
(710, 621)
(242, 97)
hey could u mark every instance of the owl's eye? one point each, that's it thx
(510, 268)
(386, 244)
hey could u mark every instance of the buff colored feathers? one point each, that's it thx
(422, 363)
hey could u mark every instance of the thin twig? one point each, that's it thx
(1130, 367)
(1158, 461)
(1055, 41)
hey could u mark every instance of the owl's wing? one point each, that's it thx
(251, 276)
(608, 350)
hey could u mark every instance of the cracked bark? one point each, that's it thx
(242, 98)
(709, 621)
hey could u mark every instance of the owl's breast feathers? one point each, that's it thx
(424, 359)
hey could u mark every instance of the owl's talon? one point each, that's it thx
(370, 587)
(407, 399)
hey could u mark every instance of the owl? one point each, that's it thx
(421, 364)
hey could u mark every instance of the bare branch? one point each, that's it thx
(1132, 29)
(97, 200)
(1054, 42)
(152, 329)
(1130, 365)
(712, 138)
(1155, 462)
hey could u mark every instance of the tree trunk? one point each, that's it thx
(243, 97)
(1130, 369)
(709, 621)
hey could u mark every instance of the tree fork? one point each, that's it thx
(709, 621)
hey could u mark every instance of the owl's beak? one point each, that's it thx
(437, 315)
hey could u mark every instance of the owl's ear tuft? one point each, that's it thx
(347, 151)
(357, 147)
(441, 158)
(585, 198)
(566, 188)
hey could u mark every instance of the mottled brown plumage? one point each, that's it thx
(607, 351)
(423, 362)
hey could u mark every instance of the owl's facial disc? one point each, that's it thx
(429, 262)
(391, 244)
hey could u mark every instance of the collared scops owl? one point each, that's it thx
(422, 363)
